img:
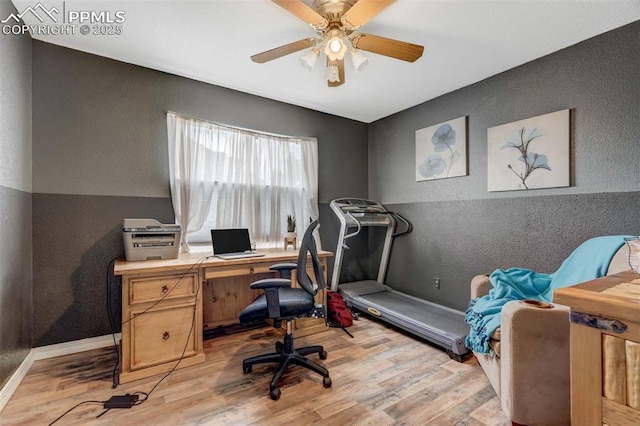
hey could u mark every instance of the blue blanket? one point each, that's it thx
(589, 261)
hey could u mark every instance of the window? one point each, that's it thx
(224, 177)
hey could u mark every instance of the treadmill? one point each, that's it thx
(435, 323)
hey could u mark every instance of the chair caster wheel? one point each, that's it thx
(274, 394)
(326, 382)
(323, 355)
(246, 369)
(279, 347)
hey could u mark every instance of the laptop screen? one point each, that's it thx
(230, 240)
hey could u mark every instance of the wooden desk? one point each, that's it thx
(167, 303)
(605, 349)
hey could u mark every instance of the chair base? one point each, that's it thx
(285, 356)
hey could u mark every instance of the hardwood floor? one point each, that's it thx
(380, 377)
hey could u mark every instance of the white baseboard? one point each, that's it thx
(50, 351)
(14, 381)
(67, 348)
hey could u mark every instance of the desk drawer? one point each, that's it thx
(240, 270)
(160, 336)
(151, 289)
(227, 271)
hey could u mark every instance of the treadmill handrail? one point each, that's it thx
(358, 227)
(408, 225)
(360, 213)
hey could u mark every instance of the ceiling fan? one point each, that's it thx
(335, 21)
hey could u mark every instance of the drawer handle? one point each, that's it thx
(165, 289)
(166, 335)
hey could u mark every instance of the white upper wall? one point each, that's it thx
(15, 107)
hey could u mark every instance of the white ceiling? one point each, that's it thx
(465, 41)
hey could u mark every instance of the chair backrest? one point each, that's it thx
(308, 248)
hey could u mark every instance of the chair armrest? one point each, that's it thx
(271, 283)
(480, 286)
(284, 269)
(271, 287)
(534, 358)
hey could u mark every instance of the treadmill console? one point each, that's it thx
(366, 212)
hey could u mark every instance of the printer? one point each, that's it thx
(146, 239)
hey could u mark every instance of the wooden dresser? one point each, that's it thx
(605, 349)
(166, 304)
(161, 319)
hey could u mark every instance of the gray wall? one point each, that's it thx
(461, 229)
(15, 199)
(100, 155)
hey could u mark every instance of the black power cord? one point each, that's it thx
(133, 399)
(196, 264)
(112, 324)
(74, 407)
(114, 377)
(184, 350)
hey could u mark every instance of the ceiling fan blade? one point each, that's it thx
(340, 74)
(388, 47)
(361, 12)
(304, 12)
(278, 52)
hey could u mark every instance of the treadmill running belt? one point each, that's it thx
(427, 315)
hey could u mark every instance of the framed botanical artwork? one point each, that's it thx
(529, 154)
(441, 150)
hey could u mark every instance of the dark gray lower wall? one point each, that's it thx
(456, 240)
(78, 235)
(15, 279)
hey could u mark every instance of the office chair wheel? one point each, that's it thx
(323, 355)
(326, 382)
(274, 393)
(279, 347)
(246, 369)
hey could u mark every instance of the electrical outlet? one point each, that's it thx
(436, 283)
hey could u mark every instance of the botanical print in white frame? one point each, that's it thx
(529, 154)
(441, 150)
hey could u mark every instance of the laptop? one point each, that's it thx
(232, 244)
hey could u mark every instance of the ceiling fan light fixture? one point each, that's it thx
(333, 74)
(358, 59)
(310, 58)
(335, 47)
(334, 22)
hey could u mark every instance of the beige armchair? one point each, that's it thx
(530, 368)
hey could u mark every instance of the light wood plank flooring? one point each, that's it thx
(381, 377)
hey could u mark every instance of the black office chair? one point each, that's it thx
(280, 302)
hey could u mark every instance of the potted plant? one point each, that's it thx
(291, 226)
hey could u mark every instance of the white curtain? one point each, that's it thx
(191, 173)
(225, 177)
